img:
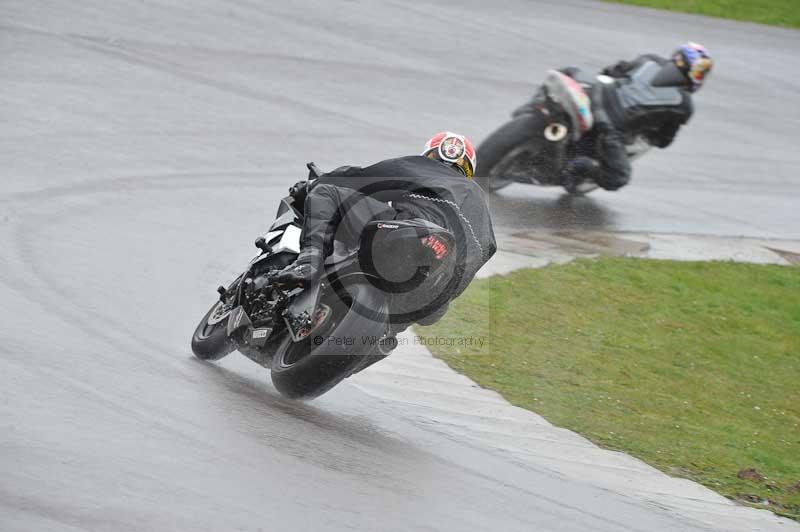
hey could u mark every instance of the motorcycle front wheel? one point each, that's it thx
(210, 339)
(507, 155)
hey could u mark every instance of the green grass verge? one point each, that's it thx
(692, 367)
(774, 12)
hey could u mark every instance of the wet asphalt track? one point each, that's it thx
(142, 147)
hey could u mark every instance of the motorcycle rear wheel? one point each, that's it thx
(310, 367)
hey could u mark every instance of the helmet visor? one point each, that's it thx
(453, 150)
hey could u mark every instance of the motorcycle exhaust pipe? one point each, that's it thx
(555, 132)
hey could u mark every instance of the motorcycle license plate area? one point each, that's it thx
(259, 337)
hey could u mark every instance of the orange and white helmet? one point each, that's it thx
(452, 148)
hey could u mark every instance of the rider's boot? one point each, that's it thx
(321, 208)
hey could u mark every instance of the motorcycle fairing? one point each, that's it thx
(570, 95)
(238, 320)
(290, 241)
(280, 242)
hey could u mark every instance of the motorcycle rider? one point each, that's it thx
(650, 96)
(435, 186)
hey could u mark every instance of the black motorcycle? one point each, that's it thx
(311, 338)
(554, 127)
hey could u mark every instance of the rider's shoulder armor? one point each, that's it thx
(634, 100)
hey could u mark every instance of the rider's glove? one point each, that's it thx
(300, 190)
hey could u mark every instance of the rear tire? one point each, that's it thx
(310, 367)
(521, 131)
(210, 340)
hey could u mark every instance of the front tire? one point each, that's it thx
(210, 339)
(581, 189)
(495, 154)
(310, 367)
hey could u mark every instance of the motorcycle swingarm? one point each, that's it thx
(304, 309)
(301, 312)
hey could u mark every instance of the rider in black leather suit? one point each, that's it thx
(649, 97)
(435, 186)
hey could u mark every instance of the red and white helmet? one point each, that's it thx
(452, 148)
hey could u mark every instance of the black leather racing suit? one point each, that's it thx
(631, 106)
(341, 203)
